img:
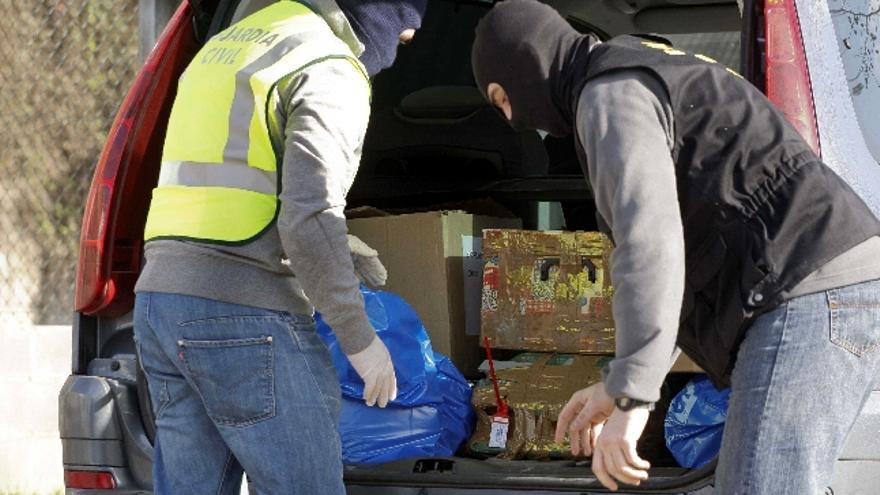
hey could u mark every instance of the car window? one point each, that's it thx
(857, 26)
(722, 46)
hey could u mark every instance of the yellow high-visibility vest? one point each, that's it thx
(219, 180)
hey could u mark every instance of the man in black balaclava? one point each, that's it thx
(732, 240)
(380, 25)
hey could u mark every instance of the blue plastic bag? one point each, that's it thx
(432, 414)
(695, 422)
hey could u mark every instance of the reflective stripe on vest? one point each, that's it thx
(219, 180)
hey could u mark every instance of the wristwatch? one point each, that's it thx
(627, 404)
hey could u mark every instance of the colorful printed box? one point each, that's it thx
(547, 291)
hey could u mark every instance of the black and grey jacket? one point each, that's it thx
(758, 212)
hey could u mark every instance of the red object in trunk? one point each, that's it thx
(502, 404)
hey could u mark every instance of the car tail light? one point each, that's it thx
(788, 81)
(115, 211)
(89, 480)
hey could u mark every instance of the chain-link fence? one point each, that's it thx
(65, 66)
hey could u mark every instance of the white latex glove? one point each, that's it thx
(374, 366)
(367, 266)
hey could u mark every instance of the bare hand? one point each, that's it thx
(614, 456)
(595, 427)
(583, 418)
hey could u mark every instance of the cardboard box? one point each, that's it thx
(547, 291)
(684, 364)
(536, 394)
(434, 262)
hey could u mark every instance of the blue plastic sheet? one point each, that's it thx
(432, 414)
(695, 422)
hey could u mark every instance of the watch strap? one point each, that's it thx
(627, 404)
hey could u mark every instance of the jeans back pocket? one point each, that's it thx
(234, 378)
(855, 317)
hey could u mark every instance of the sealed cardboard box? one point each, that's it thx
(535, 393)
(547, 291)
(536, 387)
(434, 262)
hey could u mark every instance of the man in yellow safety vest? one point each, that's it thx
(246, 237)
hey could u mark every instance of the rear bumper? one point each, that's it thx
(125, 484)
(101, 429)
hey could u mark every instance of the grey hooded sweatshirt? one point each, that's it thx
(320, 117)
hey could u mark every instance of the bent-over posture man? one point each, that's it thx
(733, 240)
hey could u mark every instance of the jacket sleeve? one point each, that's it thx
(624, 122)
(326, 109)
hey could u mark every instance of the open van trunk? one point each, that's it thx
(432, 140)
(435, 140)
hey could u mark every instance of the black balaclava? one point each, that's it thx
(378, 24)
(539, 60)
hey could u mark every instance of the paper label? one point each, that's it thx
(498, 435)
(472, 263)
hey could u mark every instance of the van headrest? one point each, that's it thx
(442, 102)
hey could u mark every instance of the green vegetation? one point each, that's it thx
(64, 68)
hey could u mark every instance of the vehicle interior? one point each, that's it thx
(432, 140)
(433, 137)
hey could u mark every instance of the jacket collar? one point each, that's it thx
(327, 9)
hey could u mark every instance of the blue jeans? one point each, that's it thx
(803, 373)
(234, 389)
